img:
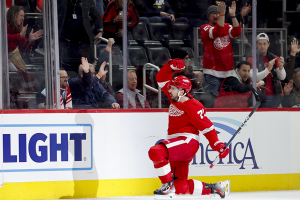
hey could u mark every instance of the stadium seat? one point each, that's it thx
(137, 56)
(160, 31)
(140, 32)
(181, 31)
(159, 56)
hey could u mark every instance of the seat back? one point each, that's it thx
(160, 31)
(159, 55)
(181, 31)
(117, 58)
(140, 32)
(137, 56)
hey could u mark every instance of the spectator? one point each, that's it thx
(104, 56)
(242, 11)
(157, 11)
(236, 89)
(87, 92)
(108, 86)
(77, 16)
(188, 71)
(272, 92)
(290, 64)
(113, 19)
(135, 99)
(291, 97)
(17, 42)
(218, 54)
(65, 93)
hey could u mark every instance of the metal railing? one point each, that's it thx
(145, 86)
(109, 58)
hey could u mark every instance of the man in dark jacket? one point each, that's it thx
(76, 36)
(236, 89)
(88, 92)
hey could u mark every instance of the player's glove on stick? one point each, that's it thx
(177, 64)
(221, 149)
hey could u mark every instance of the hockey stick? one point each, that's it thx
(239, 129)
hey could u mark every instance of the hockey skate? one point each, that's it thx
(166, 191)
(221, 188)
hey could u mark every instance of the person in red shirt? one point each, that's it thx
(16, 37)
(269, 69)
(187, 120)
(218, 55)
(17, 42)
(113, 19)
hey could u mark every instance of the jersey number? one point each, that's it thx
(206, 28)
(201, 113)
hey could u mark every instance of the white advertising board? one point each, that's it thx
(115, 145)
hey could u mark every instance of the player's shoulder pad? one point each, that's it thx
(194, 105)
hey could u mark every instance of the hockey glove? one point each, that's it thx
(223, 153)
(177, 64)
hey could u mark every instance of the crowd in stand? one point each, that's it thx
(221, 83)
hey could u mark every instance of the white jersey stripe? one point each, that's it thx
(207, 130)
(211, 33)
(179, 142)
(173, 144)
(191, 135)
(162, 84)
(231, 27)
(162, 171)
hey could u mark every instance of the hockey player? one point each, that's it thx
(187, 119)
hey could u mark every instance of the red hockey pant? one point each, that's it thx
(176, 153)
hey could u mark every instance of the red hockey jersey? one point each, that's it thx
(188, 118)
(218, 54)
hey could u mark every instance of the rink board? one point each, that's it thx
(90, 154)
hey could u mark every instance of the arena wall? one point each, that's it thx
(80, 153)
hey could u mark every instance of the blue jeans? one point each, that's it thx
(271, 101)
(99, 5)
(212, 86)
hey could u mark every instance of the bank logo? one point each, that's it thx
(47, 147)
(241, 150)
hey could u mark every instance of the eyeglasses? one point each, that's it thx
(65, 77)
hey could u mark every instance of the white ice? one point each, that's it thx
(269, 195)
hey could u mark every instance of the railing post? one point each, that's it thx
(145, 86)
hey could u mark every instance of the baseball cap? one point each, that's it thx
(262, 36)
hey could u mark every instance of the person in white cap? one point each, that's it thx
(270, 69)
